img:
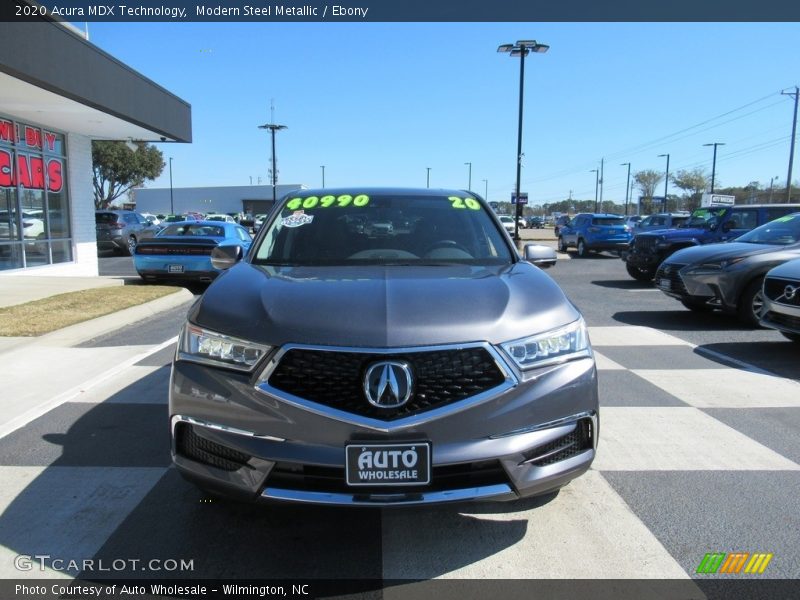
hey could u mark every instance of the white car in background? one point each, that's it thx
(220, 217)
(507, 222)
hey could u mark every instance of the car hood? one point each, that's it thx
(722, 251)
(382, 306)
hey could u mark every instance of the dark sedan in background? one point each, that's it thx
(182, 251)
(729, 275)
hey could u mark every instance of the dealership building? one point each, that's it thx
(252, 199)
(58, 92)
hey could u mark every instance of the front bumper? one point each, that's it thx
(783, 317)
(258, 445)
(184, 268)
(641, 260)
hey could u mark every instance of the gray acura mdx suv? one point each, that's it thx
(346, 363)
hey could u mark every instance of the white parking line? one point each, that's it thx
(46, 406)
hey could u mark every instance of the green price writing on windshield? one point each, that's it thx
(469, 203)
(327, 201)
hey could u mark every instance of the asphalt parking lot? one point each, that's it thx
(698, 453)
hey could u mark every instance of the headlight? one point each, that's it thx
(558, 345)
(717, 265)
(208, 347)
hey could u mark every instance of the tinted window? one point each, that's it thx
(193, 229)
(608, 221)
(105, 218)
(744, 219)
(781, 231)
(382, 229)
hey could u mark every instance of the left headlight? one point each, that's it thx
(558, 345)
(716, 265)
(208, 347)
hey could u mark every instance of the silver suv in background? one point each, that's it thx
(120, 230)
(782, 300)
(341, 362)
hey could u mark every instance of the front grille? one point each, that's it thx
(194, 447)
(775, 290)
(332, 479)
(668, 279)
(786, 321)
(336, 379)
(572, 444)
(646, 244)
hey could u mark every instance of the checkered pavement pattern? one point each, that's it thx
(696, 455)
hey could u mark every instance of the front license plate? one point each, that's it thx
(388, 464)
(664, 284)
(175, 268)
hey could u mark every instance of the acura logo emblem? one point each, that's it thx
(387, 384)
(789, 292)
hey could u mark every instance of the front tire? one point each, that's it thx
(583, 251)
(562, 245)
(751, 302)
(640, 274)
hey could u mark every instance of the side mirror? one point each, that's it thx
(543, 257)
(224, 257)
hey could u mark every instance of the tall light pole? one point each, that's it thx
(486, 189)
(171, 202)
(627, 185)
(521, 48)
(666, 181)
(469, 181)
(596, 185)
(714, 162)
(272, 129)
(602, 162)
(428, 177)
(323, 174)
(795, 93)
(771, 180)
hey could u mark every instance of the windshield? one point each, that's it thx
(608, 221)
(193, 229)
(705, 217)
(779, 232)
(383, 229)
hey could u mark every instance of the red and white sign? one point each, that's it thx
(32, 172)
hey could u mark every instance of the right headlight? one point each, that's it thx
(209, 347)
(555, 346)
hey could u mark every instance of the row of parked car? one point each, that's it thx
(120, 231)
(743, 260)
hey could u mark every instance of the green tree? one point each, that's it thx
(647, 181)
(693, 182)
(119, 168)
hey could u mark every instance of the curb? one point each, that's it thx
(86, 330)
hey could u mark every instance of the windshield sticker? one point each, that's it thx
(327, 201)
(296, 219)
(469, 203)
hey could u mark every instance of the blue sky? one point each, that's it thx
(378, 103)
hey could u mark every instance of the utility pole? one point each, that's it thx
(323, 175)
(602, 160)
(794, 94)
(627, 186)
(469, 181)
(171, 203)
(428, 178)
(714, 162)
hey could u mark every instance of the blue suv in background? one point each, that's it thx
(589, 232)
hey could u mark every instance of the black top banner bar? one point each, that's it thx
(277, 11)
